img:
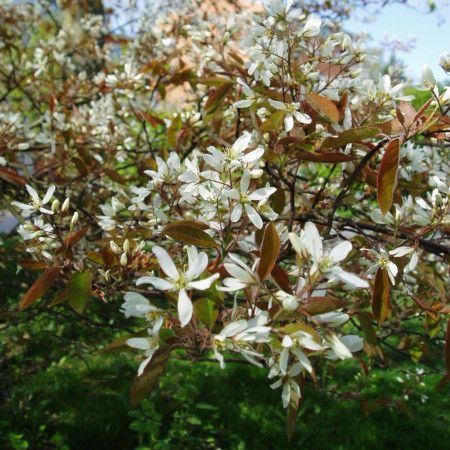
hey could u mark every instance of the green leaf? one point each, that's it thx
(79, 290)
(387, 175)
(365, 319)
(274, 122)
(350, 136)
(381, 306)
(190, 232)
(206, 311)
(270, 247)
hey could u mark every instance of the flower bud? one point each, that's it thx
(123, 260)
(114, 247)
(55, 205)
(65, 205)
(290, 303)
(428, 79)
(126, 245)
(74, 219)
(444, 61)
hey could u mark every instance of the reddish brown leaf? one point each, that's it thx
(144, 384)
(387, 175)
(447, 350)
(115, 176)
(281, 278)
(324, 157)
(75, 237)
(350, 136)
(217, 96)
(152, 120)
(33, 265)
(321, 305)
(325, 107)
(12, 176)
(40, 287)
(270, 247)
(190, 232)
(381, 305)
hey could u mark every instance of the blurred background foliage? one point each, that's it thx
(59, 391)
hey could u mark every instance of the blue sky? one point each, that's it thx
(396, 21)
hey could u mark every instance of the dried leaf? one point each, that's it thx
(387, 175)
(40, 287)
(270, 247)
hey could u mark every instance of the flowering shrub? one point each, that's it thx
(237, 179)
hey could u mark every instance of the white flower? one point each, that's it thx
(249, 94)
(332, 319)
(234, 157)
(179, 281)
(403, 251)
(36, 204)
(242, 275)
(168, 171)
(136, 305)
(150, 344)
(244, 200)
(428, 80)
(311, 27)
(343, 347)
(383, 261)
(291, 111)
(325, 261)
(238, 335)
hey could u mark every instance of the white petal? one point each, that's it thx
(203, 284)
(245, 181)
(33, 194)
(253, 155)
(340, 251)
(165, 262)
(237, 272)
(350, 278)
(289, 122)
(254, 216)
(49, 194)
(144, 363)
(243, 103)
(242, 143)
(184, 308)
(236, 213)
(302, 117)
(139, 343)
(313, 241)
(276, 104)
(158, 283)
